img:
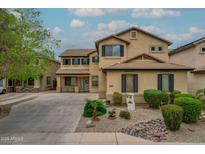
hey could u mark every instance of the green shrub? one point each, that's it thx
(153, 97)
(100, 108)
(184, 95)
(125, 114)
(203, 104)
(172, 95)
(117, 98)
(165, 97)
(192, 108)
(172, 115)
(200, 93)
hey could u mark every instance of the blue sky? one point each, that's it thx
(80, 28)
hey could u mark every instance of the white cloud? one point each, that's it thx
(191, 32)
(196, 30)
(94, 11)
(151, 29)
(56, 30)
(113, 25)
(154, 13)
(75, 23)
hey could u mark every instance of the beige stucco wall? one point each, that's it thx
(51, 71)
(94, 70)
(142, 45)
(192, 57)
(137, 46)
(146, 80)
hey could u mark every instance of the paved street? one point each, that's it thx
(49, 113)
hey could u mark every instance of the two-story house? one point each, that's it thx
(128, 62)
(46, 81)
(192, 55)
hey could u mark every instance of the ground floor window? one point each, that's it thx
(70, 81)
(94, 80)
(10, 83)
(166, 82)
(30, 82)
(48, 80)
(129, 83)
(1, 83)
(18, 83)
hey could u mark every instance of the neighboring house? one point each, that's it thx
(128, 62)
(192, 55)
(46, 81)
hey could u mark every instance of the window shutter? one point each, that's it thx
(121, 50)
(135, 82)
(171, 82)
(93, 59)
(78, 61)
(88, 61)
(123, 83)
(159, 81)
(103, 50)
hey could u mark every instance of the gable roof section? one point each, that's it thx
(76, 52)
(129, 29)
(112, 36)
(186, 46)
(144, 55)
(146, 65)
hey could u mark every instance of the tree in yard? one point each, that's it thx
(23, 43)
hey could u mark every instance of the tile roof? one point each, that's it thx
(199, 70)
(76, 52)
(147, 65)
(72, 71)
(186, 46)
(133, 28)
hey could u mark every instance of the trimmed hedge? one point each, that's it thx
(172, 115)
(192, 108)
(153, 97)
(125, 114)
(165, 97)
(184, 95)
(88, 108)
(117, 98)
(172, 95)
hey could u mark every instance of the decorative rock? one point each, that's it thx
(191, 130)
(89, 124)
(154, 130)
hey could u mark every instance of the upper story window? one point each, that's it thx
(113, 50)
(156, 48)
(76, 61)
(133, 34)
(95, 59)
(85, 61)
(203, 49)
(66, 61)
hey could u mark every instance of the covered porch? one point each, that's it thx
(72, 80)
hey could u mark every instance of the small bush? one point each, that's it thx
(125, 114)
(100, 109)
(191, 107)
(172, 115)
(172, 95)
(153, 97)
(117, 98)
(184, 95)
(165, 97)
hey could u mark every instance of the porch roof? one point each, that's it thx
(72, 72)
(145, 65)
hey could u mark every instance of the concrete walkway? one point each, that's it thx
(73, 139)
(15, 98)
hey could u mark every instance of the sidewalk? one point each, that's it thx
(15, 98)
(73, 139)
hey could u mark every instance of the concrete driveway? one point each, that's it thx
(49, 113)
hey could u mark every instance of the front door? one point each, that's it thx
(84, 84)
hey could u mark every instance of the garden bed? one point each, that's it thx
(142, 113)
(188, 133)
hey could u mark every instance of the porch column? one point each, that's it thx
(58, 88)
(4, 83)
(37, 83)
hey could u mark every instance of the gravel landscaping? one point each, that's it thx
(141, 114)
(148, 124)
